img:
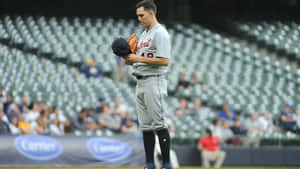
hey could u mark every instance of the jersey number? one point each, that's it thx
(149, 55)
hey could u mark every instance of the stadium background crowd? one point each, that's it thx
(208, 56)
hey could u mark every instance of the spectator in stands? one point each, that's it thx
(91, 121)
(227, 113)
(91, 113)
(92, 70)
(128, 124)
(216, 129)
(13, 111)
(199, 110)
(297, 115)
(287, 120)
(209, 146)
(68, 127)
(237, 128)
(227, 135)
(9, 103)
(253, 126)
(267, 125)
(25, 127)
(121, 73)
(26, 109)
(196, 80)
(183, 106)
(43, 122)
(102, 104)
(4, 129)
(34, 114)
(108, 121)
(118, 107)
(178, 112)
(59, 115)
(26, 104)
(254, 130)
(80, 120)
(239, 133)
(55, 128)
(14, 125)
(183, 83)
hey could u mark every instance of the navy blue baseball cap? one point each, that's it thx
(120, 47)
(289, 106)
(101, 99)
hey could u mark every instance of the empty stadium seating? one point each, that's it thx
(247, 80)
(279, 36)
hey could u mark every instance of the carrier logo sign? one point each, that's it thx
(108, 150)
(38, 147)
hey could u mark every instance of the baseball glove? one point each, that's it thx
(133, 42)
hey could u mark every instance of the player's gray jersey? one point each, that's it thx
(153, 43)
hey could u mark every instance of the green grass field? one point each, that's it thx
(190, 167)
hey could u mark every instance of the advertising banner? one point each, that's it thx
(40, 150)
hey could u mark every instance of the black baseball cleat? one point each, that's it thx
(166, 166)
(149, 166)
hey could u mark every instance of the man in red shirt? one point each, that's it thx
(210, 150)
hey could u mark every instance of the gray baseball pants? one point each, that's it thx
(150, 105)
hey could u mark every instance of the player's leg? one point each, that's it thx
(149, 143)
(220, 157)
(145, 121)
(154, 100)
(205, 157)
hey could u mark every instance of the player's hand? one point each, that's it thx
(132, 58)
(127, 61)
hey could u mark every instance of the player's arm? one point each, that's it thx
(161, 41)
(287, 119)
(132, 58)
(199, 147)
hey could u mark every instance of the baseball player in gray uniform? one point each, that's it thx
(150, 64)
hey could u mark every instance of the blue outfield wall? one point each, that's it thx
(128, 150)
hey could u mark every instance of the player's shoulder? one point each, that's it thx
(161, 31)
(162, 28)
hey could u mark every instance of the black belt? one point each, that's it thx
(138, 77)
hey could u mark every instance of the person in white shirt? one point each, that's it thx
(216, 129)
(54, 128)
(57, 114)
(253, 126)
(266, 124)
(33, 115)
(297, 116)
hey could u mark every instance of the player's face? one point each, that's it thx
(144, 16)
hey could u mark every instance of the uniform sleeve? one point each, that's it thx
(200, 142)
(163, 45)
